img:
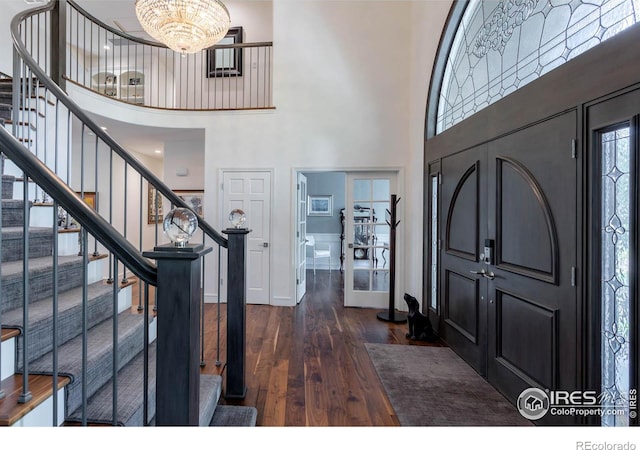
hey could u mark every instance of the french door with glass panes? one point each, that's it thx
(367, 235)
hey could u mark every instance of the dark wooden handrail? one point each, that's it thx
(94, 223)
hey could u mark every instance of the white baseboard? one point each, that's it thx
(283, 301)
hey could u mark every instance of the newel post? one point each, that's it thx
(178, 342)
(236, 312)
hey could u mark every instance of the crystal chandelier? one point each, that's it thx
(185, 26)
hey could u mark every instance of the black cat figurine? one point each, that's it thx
(420, 328)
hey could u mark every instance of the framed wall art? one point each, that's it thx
(320, 205)
(193, 198)
(154, 205)
(226, 62)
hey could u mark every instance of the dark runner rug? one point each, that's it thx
(432, 386)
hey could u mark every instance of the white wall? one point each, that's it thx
(428, 18)
(189, 155)
(115, 192)
(347, 96)
(9, 9)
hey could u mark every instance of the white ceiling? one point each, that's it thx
(119, 14)
(146, 140)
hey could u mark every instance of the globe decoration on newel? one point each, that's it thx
(179, 225)
(237, 218)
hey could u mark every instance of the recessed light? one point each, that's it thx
(104, 128)
(106, 47)
(157, 151)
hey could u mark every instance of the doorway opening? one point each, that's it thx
(319, 238)
(342, 231)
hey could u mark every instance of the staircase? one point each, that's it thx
(81, 367)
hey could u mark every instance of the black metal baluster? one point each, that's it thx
(145, 369)
(55, 312)
(218, 362)
(96, 199)
(124, 268)
(85, 343)
(140, 241)
(111, 277)
(114, 374)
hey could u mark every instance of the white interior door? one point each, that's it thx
(301, 238)
(251, 192)
(367, 237)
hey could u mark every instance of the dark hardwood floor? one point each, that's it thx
(307, 365)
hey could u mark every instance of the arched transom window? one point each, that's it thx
(500, 46)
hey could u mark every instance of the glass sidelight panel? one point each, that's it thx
(615, 269)
(433, 298)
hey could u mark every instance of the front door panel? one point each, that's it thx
(463, 318)
(532, 299)
(510, 312)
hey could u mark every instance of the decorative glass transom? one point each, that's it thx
(500, 46)
(615, 282)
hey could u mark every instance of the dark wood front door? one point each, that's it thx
(532, 297)
(512, 314)
(463, 226)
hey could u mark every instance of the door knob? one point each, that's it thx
(489, 275)
(265, 245)
(481, 272)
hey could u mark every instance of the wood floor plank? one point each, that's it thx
(307, 365)
(276, 400)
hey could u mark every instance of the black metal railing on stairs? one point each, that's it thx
(89, 185)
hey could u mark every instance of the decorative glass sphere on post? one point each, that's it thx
(237, 218)
(179, 225)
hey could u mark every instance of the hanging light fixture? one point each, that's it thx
(185, 26)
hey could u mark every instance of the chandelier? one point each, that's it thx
(185, 26)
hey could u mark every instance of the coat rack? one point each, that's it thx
(392, 315)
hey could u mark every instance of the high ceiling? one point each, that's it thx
(119, 14)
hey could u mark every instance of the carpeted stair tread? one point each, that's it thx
(210, 391)
(99, 308)
(99, 356)
(40, 243)
(130, 396)
(7, 186)
(40, 279)
(234, 416)
(12, 213)
(12, 268)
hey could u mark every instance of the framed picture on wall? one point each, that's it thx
(88, 197)
(193, 198)
(320, 205)
(154, 205)
(226, 62)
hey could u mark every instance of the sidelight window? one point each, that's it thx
(615, 268)
(433, 298)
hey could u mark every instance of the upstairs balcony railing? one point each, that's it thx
(234, 76)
